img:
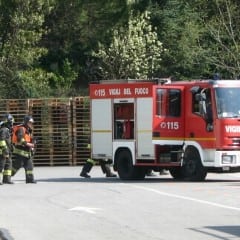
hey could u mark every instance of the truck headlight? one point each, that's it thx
(228, 159)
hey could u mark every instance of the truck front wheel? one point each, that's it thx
(125, 168)
(193, 169)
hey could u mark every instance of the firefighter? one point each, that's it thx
(105, 166)
(6, 149)
(24, 148)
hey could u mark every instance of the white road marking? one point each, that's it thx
(187, 198)
(85, 209)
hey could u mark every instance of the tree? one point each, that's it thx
(20, 32)
(223, 30)
(180, 32)
(74, 33)
(135, 51)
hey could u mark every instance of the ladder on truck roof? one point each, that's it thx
(153, 80)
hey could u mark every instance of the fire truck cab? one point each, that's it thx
(187, 127)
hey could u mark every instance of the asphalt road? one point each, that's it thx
(64, 206)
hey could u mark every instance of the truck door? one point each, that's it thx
(101, 124)
(200, 118)
(145, 148)
(168, 115)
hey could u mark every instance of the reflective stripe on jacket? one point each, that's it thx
(21, 152)
(3, 143)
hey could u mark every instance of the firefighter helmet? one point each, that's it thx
(8, 118)
(28, 119)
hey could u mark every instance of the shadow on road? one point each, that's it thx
(118, 180)
(215, 231)
(5, 235)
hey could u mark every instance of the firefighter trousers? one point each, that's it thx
(5, 169)
(105, 166)
(25, 162)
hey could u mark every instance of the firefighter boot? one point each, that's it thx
(86, 169)
(30, 178)
(106, 169)
(7, 179)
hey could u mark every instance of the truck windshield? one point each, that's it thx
(228, 102)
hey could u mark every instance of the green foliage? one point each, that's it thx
(48, 84)
(181, 30)
(47, 46)
(35, 83)
(63, 79)
(135, 51)
(21, 28)
(76, 32)
(224, 40)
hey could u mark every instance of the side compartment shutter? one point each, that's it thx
(101, 127)
(145, 148)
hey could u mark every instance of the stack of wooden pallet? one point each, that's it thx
(81, 129)
(18, 108)
(53, 130)
(61, 128)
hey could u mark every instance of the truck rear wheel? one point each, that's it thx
(125, 168)
(193, 169)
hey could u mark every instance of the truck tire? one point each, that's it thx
(125, 168)
(192, 168)
(176, 173)
(139, 173)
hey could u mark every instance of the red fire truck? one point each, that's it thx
(187, 127)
